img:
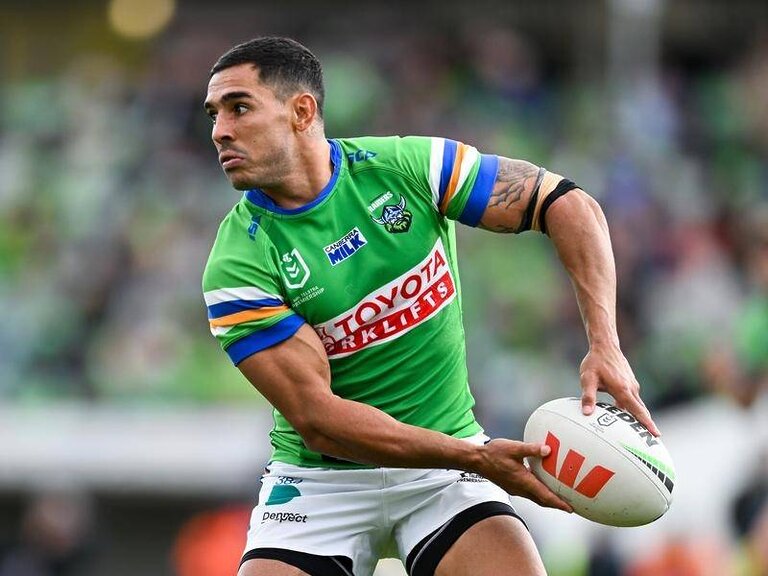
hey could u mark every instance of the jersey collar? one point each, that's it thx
(259, 198)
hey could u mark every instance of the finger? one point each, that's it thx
(539, 493)
(589, 384)
(643, 416)
(632, 403)
(622, 404)
(530, 450)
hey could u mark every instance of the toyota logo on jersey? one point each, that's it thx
(393, 309)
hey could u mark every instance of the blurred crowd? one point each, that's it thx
(110, 196)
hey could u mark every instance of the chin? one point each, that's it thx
(241, 184)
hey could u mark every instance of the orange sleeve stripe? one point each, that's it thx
(247, 316)
(453, 182)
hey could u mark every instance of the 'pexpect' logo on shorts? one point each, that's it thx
(281, 517)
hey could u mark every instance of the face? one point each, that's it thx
(252, 129)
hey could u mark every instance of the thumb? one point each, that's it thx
(588, 392)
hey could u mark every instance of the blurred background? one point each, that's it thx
(129, 444)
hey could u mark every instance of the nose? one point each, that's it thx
(222, 130)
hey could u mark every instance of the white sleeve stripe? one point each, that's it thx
(241, 293)
(471, 157)
(220, 330)
(435, 168)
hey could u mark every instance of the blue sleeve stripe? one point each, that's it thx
(449, 157)
(235, 306)
(258, 341)
(481, 191)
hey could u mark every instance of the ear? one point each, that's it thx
(304, 111)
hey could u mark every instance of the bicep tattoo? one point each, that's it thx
(510, 207)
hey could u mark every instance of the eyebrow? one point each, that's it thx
(236, 95)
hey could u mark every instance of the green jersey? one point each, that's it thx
(370, 264)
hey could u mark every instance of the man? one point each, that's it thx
(333, 287)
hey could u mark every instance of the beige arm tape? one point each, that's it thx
(548, 184)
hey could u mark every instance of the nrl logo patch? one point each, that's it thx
(395, 218)
(294, 269)
(606, 419)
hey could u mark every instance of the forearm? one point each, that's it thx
(361, 433)
(579, 232)
(294, 376)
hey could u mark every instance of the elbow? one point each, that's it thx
(314, 439)
(312, 431)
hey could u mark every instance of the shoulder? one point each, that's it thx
(238, 230)
(241, 246)
(393, 151)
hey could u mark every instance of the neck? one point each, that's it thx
(311, 171)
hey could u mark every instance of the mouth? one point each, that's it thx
(229, 160)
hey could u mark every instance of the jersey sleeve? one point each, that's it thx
(243, 293)
(460, 179)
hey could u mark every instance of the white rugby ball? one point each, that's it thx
(607, 465)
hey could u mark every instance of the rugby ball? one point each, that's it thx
(607, 465)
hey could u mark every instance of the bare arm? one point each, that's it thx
(579, 231)
(295, 377)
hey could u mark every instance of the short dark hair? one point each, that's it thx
(283, 63)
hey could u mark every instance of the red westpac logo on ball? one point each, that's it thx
(590, 485)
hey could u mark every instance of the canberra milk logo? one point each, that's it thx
(345, 246)
(294, 269)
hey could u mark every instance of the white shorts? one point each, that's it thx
(363, 514)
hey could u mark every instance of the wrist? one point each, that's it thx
(604, 336)
(600, 328)
(475, 459)
(604, 343)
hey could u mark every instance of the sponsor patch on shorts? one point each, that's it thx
(281, 517)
